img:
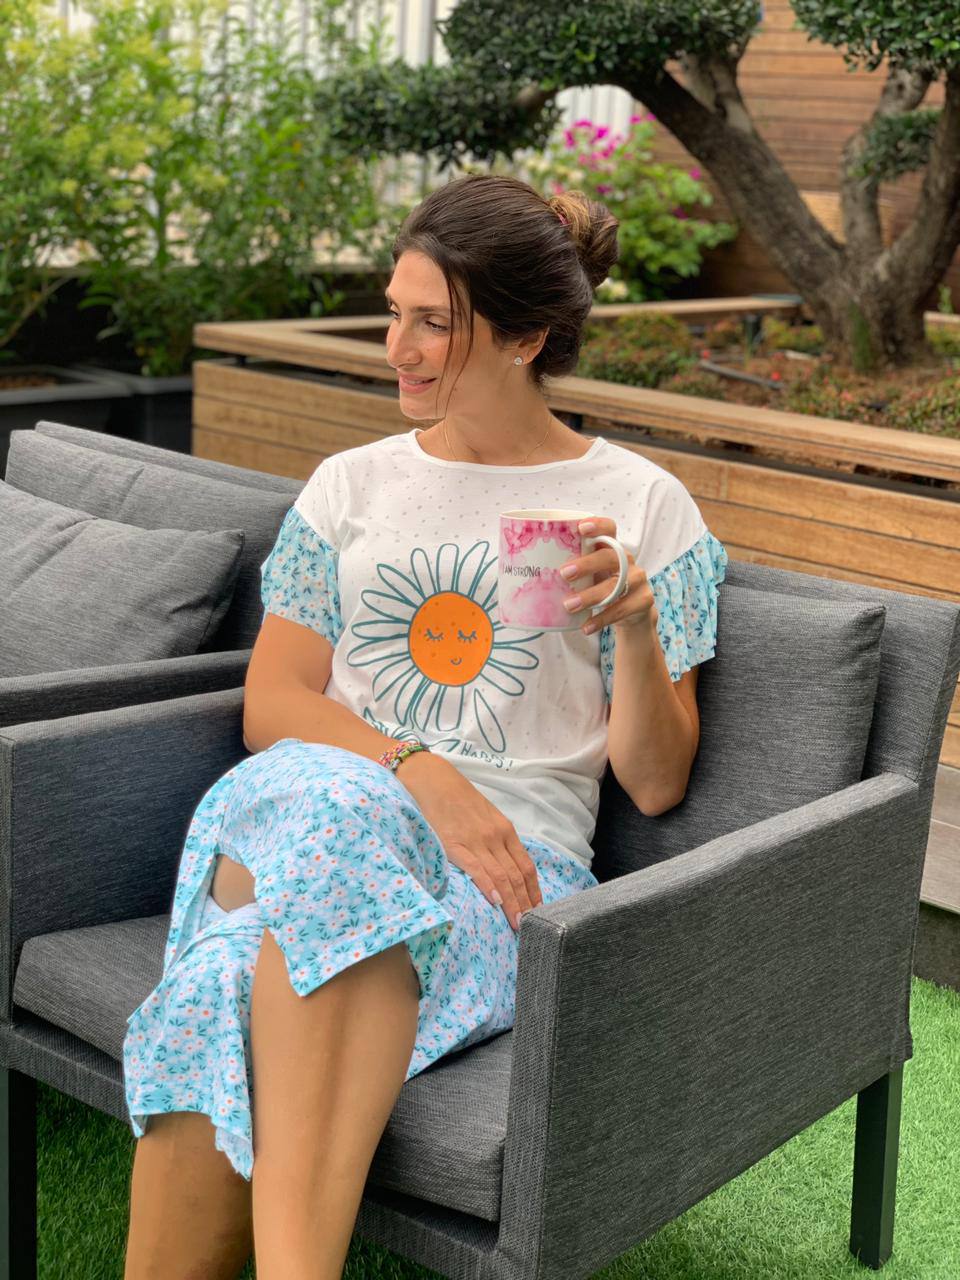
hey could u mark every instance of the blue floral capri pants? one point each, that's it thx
(344, 866)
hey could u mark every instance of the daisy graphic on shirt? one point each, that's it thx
(436, 646)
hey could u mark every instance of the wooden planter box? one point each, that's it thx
(836, 499)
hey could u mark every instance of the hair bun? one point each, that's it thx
(594, 231)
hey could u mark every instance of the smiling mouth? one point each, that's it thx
(455, 662)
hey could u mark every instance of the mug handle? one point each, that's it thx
(623, 569)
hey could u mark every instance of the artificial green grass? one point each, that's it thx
(787, 1218)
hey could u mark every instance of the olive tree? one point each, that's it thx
(508, 60)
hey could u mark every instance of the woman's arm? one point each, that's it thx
(654, 726)
(283, 698)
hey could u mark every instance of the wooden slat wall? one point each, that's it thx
(282, 425)
(899, 542)
(805, 104)
(812, 524)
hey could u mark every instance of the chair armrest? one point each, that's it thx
(677, 1023)
(94, 810)
(53, 694)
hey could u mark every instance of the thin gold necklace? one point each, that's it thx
(515, 464)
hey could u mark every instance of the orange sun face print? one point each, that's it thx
(438, 652)
(450, 638)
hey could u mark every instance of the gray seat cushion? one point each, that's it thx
(159, 497)
(79, 591)
(785, 712)
(444, 1141)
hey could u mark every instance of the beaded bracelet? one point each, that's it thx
(391, 759)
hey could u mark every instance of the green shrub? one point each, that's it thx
(724, 333)
(897, 144)
(934, 409)
(202, 172)
(780, 336)
(829, 394)
(645, 329)
(660, 242)
(944, 340)
(34, 163)
(657, 350)
(640, 350)
(633, 366)
(696, 383)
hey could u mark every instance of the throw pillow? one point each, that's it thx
(78, 591)
(161, 495)
(785, 711)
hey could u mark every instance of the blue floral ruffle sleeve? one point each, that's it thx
(685, 592)
(299, 578)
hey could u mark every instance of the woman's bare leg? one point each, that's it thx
(327, 1069)
(190, 1211)
(233, 886)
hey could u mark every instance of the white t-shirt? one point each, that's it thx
(380, 530)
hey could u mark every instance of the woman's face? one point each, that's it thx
(419, 337)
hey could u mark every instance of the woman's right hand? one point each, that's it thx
(475, 835)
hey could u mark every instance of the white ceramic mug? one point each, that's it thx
(534, 544)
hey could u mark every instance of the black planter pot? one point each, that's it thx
(81, 398)
(158, 410)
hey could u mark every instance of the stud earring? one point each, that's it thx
(519, 360)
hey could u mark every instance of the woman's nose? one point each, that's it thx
(401, 349)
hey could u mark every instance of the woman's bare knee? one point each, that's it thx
(190, 1211)
(232, 884)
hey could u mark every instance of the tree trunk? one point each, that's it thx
(868, 326)
(868, 299)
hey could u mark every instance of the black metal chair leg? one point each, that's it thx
(18, 1176)
(875, 1154)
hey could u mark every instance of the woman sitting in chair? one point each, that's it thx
(349, 896)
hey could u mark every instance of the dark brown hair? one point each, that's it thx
(505, 254)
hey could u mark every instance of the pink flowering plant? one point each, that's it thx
(660, 239)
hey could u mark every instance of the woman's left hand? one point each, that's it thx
(636, 608)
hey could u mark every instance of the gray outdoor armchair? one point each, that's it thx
(112, 477)
(742, 968)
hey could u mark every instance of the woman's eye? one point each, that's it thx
(437, 328)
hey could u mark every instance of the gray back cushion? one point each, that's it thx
(918, 666)
(159, 497)
(78, 591)
(124, 448)
(785, 712)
